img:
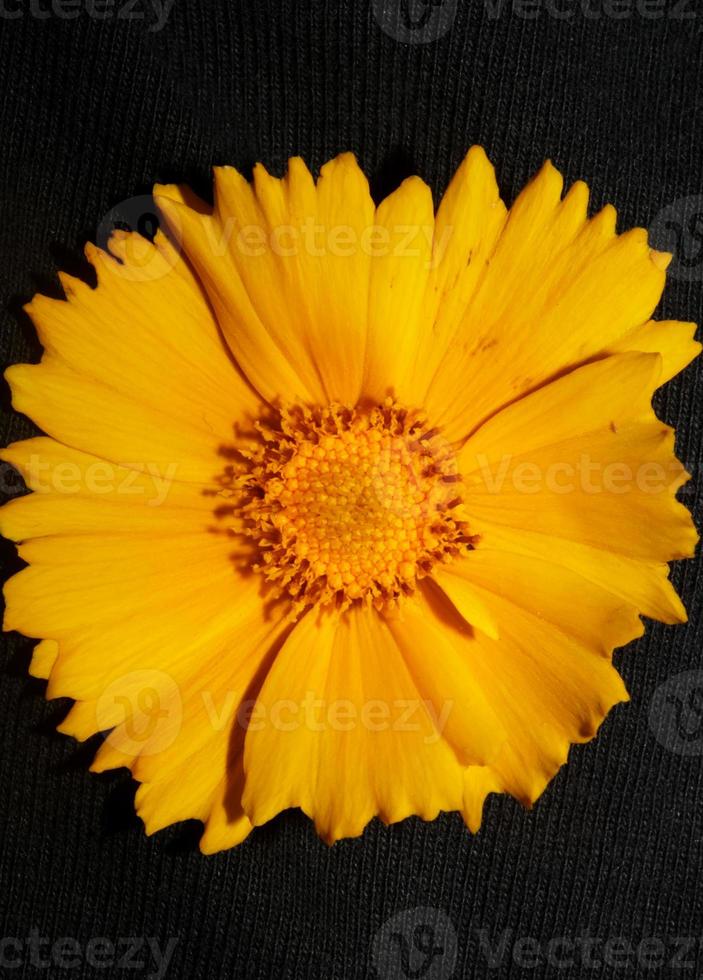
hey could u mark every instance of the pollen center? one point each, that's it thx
(346, 505)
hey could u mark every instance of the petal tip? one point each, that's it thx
(662, 260)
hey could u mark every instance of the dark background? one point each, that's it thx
(92, 113)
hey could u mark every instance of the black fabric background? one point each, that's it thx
(92, 112)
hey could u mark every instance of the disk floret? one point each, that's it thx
(346, 505)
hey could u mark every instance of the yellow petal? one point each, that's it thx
(470, 219)
(669, 338)
(400, 276)
(557, 290)
(642, 584)
(168, 681)
(448, 681)
(135, 371)
(286, 266)
(209, 740)
(342, 731)
(584, 459)
(77, 493)
(570, 604)
(227, 825)
(424, 271)
(145, 599)
(44, 657)
(591, 399)
(458, 589)
(549, 676)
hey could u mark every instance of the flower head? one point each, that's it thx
(345, 507)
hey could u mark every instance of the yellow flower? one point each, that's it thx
(345, 507)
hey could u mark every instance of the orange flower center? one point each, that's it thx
(346, 505)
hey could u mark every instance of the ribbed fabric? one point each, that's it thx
(93, 113)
